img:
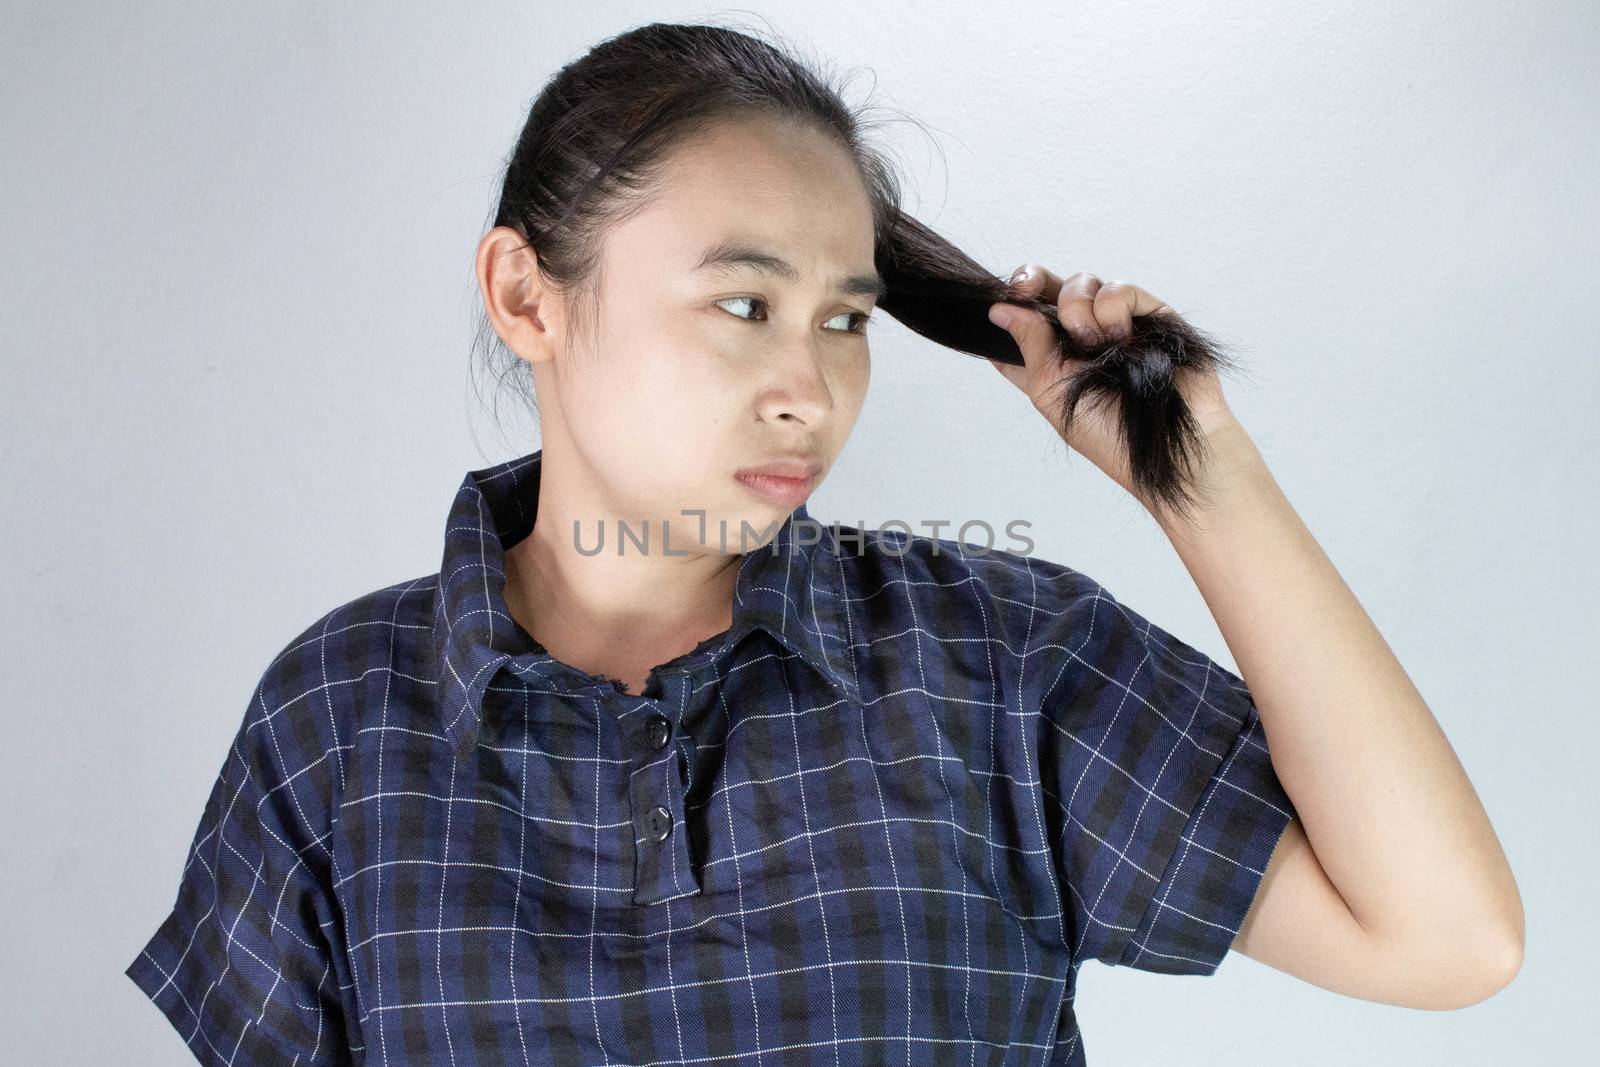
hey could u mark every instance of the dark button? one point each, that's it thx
(659, 822)
(660, 730)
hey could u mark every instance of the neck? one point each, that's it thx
(623, 609)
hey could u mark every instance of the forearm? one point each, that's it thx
(1383, 799)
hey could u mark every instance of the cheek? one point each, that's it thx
(649, 394)
(863, 368)
(671, 381)
(639, 370)
(850, 387)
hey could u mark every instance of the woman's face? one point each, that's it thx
(689, 373)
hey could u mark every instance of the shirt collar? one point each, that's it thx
(791, 587)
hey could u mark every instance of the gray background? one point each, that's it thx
(238, 294)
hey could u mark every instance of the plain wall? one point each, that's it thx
(239, 299)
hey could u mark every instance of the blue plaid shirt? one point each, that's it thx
(883, 818)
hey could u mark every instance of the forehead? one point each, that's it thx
(765, 183)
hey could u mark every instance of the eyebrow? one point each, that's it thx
(735, 255)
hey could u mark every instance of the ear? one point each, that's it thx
(527, 316)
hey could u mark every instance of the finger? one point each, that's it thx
(1117, 302)
(1073, 297)
(1034, 335)
(1076, 305)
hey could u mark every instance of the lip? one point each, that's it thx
(793, 467)
(786, 483)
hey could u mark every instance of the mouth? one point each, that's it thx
(788, 488)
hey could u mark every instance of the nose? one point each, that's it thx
(797, 392)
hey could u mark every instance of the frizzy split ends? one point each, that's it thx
(938, 291)
(595, 142)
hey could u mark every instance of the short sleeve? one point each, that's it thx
(1166, 805)
(248, 966)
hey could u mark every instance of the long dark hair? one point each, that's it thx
(601, 128)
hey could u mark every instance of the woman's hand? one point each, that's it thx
(1093, 312)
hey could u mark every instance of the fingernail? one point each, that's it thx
(999, 315)
(1018, 275)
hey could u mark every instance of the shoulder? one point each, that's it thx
(1014, 586)
(359, 633)
(364, 632)
(1056, 623)
(306, 708)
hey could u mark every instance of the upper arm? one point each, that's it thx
(1156, 761)
(1177, 842)
(1299, 924)
(248, 964)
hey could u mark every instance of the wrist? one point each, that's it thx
(1228, 470)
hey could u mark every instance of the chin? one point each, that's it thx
(744, 528)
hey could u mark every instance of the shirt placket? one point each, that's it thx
(661, 754)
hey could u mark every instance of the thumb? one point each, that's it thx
(1032, 332)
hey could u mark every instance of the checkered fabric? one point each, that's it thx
(884, 818)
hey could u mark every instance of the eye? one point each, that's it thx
(862, 321)
(861, 318)
(745, 299)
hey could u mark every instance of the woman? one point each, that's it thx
(621, 783)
